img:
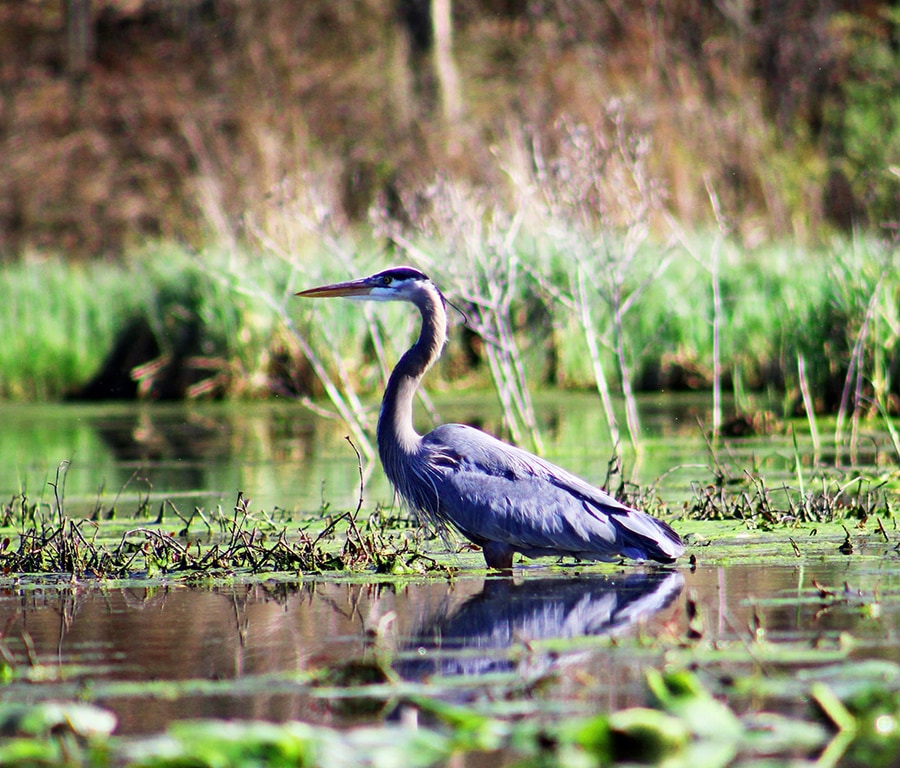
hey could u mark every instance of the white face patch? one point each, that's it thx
(398, 290)
(387, 293)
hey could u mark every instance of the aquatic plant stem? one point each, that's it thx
(590, 337)
(889, 423)
(798, 471)
(809, 406)
(631, 409)
(713, 269)
(854, 379)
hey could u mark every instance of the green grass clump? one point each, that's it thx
(834, 307)
(65, 318)
(60, 319)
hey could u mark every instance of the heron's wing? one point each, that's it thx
(492, 491)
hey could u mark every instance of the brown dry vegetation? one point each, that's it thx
(174, 119)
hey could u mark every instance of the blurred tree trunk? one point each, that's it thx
(79, 38)
(445, 66)
(429, 29)
(79, 52)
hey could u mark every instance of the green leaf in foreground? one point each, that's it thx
(56, 717)
(218, 744)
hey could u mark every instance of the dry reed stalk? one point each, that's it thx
(854, 381)
(600, 378)
(809, 406)
(717, 305)
(484, 272)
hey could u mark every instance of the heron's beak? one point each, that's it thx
(352, 288)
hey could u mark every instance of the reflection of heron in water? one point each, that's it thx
(504, 499)
(473, 639)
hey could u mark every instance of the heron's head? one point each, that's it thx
(394, 284)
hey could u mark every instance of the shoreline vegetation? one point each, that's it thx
(814, 329)
(582, 248)
(610, 205)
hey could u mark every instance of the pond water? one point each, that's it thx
(283, 455)
(553, 641)
(255, 650)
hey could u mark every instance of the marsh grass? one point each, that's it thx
(59, 321)
(146, 541)
(590, 304)
(44, 539)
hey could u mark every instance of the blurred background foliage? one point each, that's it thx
(653, 195)
(123, 121)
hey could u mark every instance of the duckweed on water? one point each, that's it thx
(40, 538)
(706, 704)
(52, 542)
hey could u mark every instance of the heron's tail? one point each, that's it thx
(642, 537)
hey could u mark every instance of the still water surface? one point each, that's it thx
(253, 649)
(249, 650)
(283, 455)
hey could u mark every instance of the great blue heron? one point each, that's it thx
(500, 497)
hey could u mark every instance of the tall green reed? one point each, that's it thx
(58, 321)
(564, 275)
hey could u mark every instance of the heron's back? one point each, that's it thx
(494, 492)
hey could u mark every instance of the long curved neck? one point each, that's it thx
(396, 434)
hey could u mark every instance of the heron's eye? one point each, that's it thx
(386, 280)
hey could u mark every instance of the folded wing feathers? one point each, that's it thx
(509, 483)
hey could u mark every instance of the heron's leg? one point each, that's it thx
(498, 555)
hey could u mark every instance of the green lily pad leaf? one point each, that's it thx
(647, 736)
(681, 694)
(767, 733)
(31, 752)
(57, 717)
